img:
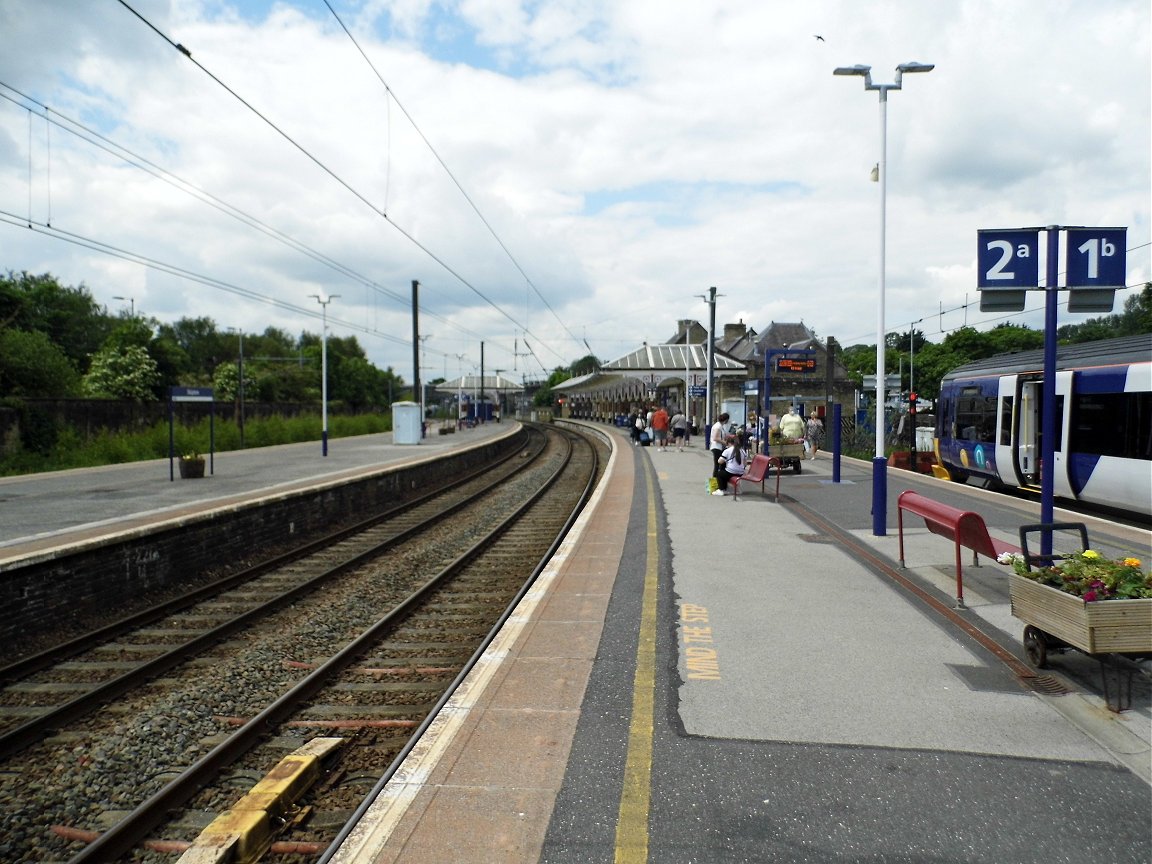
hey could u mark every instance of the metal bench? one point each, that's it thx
(757, 473)
(963, 527)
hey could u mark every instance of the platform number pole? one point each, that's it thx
(1048, 420)
(1008, 266)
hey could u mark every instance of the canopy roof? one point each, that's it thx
(672, 358)
(489, 384)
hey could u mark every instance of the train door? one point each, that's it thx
(1028, 425)
(1030, 428)
(1007, 463)
(1060, 482)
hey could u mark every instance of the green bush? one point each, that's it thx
(57, 449)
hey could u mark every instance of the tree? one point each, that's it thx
(69, 317)
(1135, 319)
(586, 365)
(128, 373)
(31, 364)
(859, 360)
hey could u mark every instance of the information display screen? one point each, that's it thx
(796, 364)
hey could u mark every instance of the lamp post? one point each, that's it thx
(879, 461)
(324, 301)
(131, 301)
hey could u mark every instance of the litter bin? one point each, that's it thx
(406, 423)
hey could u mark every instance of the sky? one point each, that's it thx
(563, 177)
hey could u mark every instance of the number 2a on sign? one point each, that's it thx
(1008, 258)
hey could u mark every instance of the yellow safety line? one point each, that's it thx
(632, 822)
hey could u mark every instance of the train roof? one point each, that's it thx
(1104, 352)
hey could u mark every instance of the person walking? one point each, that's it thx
(636, 424)
(732, 462)
(814, 435)
(660, 428)
(679, 424)
(792, 426)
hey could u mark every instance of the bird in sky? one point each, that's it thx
(819, 38)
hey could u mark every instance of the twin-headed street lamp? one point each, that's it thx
(879, 461)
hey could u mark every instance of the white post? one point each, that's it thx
(879, 463)
(324, 301)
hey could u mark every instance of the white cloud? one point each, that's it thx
(628, 154)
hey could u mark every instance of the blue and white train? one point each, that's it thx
(988, 422)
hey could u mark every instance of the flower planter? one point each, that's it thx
(1104, 626)
(191, 468)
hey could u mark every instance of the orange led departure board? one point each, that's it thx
(795, 364)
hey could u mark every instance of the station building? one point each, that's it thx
(784, 365)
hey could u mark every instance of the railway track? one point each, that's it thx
(359, 640)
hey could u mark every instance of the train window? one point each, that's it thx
(976, 418)
(1006, 420)
(1113, 424)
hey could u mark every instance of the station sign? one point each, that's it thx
(1094, 267)
(1007, 264)
(190, 394)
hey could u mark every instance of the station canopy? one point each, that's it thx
(652, 366)
(487, 383)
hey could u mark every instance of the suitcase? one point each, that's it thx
(645, 438)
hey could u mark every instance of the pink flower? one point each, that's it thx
(1089, 596)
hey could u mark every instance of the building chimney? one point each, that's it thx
(732, 332)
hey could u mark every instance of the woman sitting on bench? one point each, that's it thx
(733, 462)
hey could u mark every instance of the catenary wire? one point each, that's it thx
(449, 172)
(323, 167)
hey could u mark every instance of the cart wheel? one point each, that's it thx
(1036, 647)
(797, 467)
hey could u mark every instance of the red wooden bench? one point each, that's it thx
(757, 473)
(962, 527)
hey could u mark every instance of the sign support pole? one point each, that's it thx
(1048, 420)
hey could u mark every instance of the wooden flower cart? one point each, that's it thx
(1114, 632)
(790, 453)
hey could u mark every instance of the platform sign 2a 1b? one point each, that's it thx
(1007, 264)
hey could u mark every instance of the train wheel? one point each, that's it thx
(1036, 647)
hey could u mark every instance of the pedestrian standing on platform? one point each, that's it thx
(636, 425)
(752, 431)
(716, 442)
(660, 428)
(679, 424)
(731, 462)
(814, 435)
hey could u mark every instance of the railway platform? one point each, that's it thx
(698, 679)
(42, 512)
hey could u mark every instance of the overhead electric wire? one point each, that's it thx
(449, 172)
(378, 211)
(183, 273)
(134, 159)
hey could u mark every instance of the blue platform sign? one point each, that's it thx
(1008, 258)
(1096, 257)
